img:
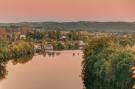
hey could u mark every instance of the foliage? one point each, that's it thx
(53, 34)
(21, 48)
(3, 71)
(72, 35)
(59, 46)
(22, 60)
(125, 41)
(3, 50)
(107, 64)
(35, 36)
(72, 45)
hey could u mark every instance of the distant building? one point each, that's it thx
(24, 30)
(22, 36)
(49, 47)
(37, 46)
(81, 44)
(63, 38)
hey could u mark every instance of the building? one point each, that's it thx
(37, 47)
(81, 44)
(22, 36)
(63, 38)
(49, 47)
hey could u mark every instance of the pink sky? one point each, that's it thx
(67, 10)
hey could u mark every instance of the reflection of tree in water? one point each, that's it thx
(76, 54)
(27, 58)
(51, 54)
(73, 54)
(58, 53)
(3, 71)
(22, 60)
(44, 54)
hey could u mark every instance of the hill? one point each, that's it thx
(82, 25)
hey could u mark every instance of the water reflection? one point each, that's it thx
(3, 71)
(57, 53)
(38, 72)
(50, 53)
(22, 60)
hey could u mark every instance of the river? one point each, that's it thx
(56, 70)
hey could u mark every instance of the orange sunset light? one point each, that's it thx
(67, 10)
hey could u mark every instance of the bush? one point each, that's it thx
(58, 46)
(72, 46)
(21, 48)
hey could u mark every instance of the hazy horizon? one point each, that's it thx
(62, 21)
(13, 11)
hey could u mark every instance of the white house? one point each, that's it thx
(49, 47)
(22, 36)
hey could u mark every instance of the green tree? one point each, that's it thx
(3, 50)
(58, 46)
(58, 35)
(107, 64)
(38, 35)
(72, 35)
(3, 71)
(21, 48)
(30, 35)
(72, 45)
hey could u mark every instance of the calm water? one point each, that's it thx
(60, 70)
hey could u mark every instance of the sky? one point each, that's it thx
(66, 10)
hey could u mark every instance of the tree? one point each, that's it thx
(107, 64)
(58, 46)
(3, 71)
(72, 45)
(3, 50)
(72, 35)
(58, 35)
(21, 48)
(29, 35)
(3, 57)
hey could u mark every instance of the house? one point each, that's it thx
(63, 38)
(81, 44)
(49, 47)
(24, 30)
(37, 47)
(22, 36)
